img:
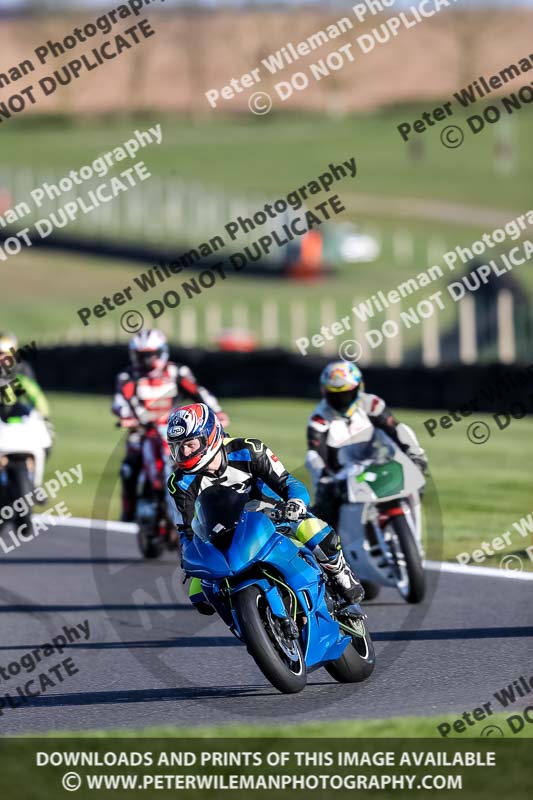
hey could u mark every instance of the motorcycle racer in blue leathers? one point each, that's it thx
(204, 457)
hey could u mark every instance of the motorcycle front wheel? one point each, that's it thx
(20, 483)
(150, 546)
(280, 659)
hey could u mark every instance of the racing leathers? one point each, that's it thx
(250, 467)
(367, 414)
(22, 388)
(149, 398)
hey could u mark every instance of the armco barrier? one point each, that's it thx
(277, 373)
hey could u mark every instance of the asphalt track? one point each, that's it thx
(153, 660)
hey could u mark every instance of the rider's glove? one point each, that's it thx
(294, 510)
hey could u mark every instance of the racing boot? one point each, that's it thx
(346, 582)
(331, 558)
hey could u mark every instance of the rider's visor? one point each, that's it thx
(187, 452)
(147, 360)
(341, 401)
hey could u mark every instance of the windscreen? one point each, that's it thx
(217, 512)
(377, 450)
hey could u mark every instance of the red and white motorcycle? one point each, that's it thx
(153, 511)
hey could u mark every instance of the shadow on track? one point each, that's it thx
(21, 609)
(453, 633)
(44, 561)
(183, 641)
(147, 696)
(189, 642)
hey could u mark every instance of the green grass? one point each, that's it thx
(393, 728)
(203, 748)
(45, 292)
(268, 157)
(245, 153)
(482, 490)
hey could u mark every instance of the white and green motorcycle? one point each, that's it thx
(380, 519)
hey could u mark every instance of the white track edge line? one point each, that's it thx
(439, 566)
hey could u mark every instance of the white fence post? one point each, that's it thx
(240, 317)
(327, 317)
(270, 323)
(394, 345)
(298, 321)
(188, 328)
(213, 322)
(360, 329)
(402, 245)
(467, 330)
(436, 249)
(430, 341)
(506, 334)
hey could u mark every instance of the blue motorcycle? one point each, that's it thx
(271, 593)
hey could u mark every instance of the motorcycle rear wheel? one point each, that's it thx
(372, 589)
(358, 660)
(281, 661)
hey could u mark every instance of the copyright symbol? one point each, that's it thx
(71, 781)
(260, 103)
(491, 730)
(132, 321)
(452, 137)
(350, 350)
(512, 563)
(478, 432)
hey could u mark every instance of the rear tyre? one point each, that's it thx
(412, 581)
(358, 660)
(371, 588)
(280, 660)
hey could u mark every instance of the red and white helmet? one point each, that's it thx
(197, 422)
(149, 351)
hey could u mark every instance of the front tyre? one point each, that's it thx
(150, 546)
(280, 659)
(20, 484)
(411, 581)
(359, 659)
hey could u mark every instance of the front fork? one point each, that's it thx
(378, 516)
(220, 596)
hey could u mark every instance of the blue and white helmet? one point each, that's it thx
(196, 421)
